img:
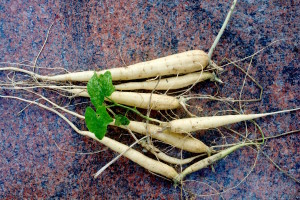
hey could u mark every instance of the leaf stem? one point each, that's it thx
(135, 111)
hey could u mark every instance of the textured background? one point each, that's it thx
(97, 34)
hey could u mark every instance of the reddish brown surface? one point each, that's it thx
(93, 35)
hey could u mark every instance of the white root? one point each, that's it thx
(134, 99)
(168, 83)
(180, 141)
(187, 125)
(181, 63)
(135, 156)
(139, 158)
(164, 157)
(208, 161)
(160, 155)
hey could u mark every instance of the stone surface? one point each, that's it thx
(105, 34)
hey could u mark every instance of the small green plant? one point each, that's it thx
(99, 88)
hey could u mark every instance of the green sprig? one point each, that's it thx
(99, 88)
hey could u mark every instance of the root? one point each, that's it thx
(208, 161)
(231, 188)
(37, 57)
(174, 140)
(213, 46)
(116, 158)
(135, 156)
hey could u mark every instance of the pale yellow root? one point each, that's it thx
(160, 155)
(168, 83)
(177, 140)
(139, 158)
(155, 151)
(139, 100)
(181, 63)
(135, 156)
(202, 123)
(166, 158)
(208, 161)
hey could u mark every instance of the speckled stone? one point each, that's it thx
(105, 34)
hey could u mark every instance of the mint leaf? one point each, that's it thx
(99, 88)
(121, 120)
(98, 121)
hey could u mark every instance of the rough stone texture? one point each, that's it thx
(99, 34)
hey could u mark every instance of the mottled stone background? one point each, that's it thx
(99, 34)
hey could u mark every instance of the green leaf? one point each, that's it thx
(103, 115)
(95, 91)
(98, 121)
(100, 87)
(121, 120)
(106, 83)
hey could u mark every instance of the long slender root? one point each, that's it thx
(194, 60)
(203, 123)
(178, 140)
(208, 161)
(135, 156)
(168, 83)
(164, 157)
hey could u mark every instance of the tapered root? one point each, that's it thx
(177, 140)
(207, 161)
(168, 83)
(137, 157)
(134, 99)
(181, 63)
(202, 123)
